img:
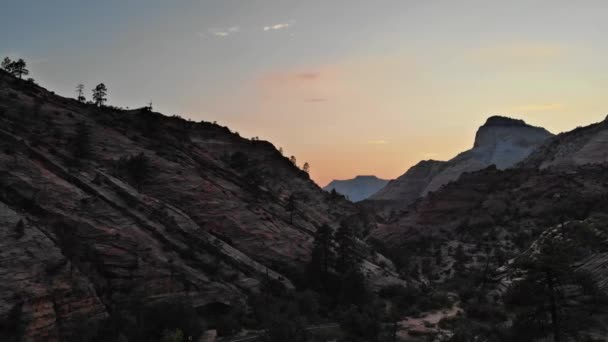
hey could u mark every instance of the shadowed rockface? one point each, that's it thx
(103, 208)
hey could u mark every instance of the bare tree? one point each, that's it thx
(80, 92)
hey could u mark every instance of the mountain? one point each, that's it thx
(584, 145)
(501, 141)
(358, 188)
(484, 235)
(104, 210)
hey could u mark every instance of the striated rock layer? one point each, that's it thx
(87, 230)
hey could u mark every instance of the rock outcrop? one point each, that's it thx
(501, 141)
(358, 188)
(584, 145)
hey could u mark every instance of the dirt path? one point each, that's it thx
(426, 324)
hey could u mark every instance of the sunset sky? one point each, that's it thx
(353, 87)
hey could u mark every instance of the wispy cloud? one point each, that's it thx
(275, 27)
(520, 53)
(308, 75)
(315, 100)
(377, 142)
(222, 32)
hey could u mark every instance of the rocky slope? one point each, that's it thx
(500, 141)
(495, 214)
(584, 145)
(358, 188)
(101, 207)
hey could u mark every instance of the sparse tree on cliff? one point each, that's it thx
(99, 94)
(19, 68)
(291, 206)
(6, 65)
(306, 167)
(80, 92)
(322, 257)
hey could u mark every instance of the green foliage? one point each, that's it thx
(347, 259)
(172, 336)
(361, 323)
(553, 294)
(322, 258)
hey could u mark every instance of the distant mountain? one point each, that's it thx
(358, 188)
(501, 141)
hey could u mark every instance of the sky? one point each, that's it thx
(353, 87)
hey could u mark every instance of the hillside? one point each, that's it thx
(103, 208)
(480, 236)
(500, 141)
(358, 188)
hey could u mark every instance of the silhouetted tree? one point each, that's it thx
(6, 65)
(292, 159)
(99, 94)
(291, 206)
(322, 257)
(80, 92)
(81, 143)
(553, 294)
(136, 168)
(347, 258)
(306, 167)
(19, 68)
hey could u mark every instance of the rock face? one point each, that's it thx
(493, 213)
(408, 187)
(501, 141)
(584, 145)
(358, 188)
(100, 207)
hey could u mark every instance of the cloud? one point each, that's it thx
(537, 107)
(520, 53)
(377, 142)
(315, 100)
(308, 75)
(276, 27)
(223, 32)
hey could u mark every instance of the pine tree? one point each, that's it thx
(19, 68)
(306, 167)
(291, 206)
(322, 257)
(347, 258)
(6, 65)
(99, 94)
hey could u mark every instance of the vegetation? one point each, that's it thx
(80, 93)
(99, 94)
(16, 68)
